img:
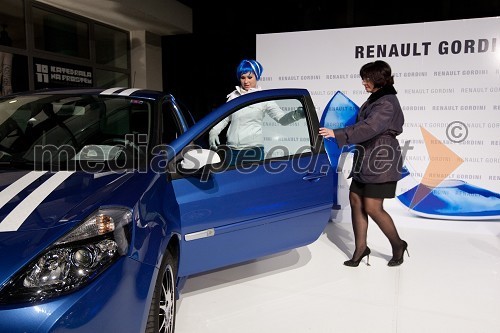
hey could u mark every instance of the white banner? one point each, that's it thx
(447, 75)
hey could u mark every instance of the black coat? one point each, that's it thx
(377, 156)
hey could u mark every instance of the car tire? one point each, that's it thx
(163, 304)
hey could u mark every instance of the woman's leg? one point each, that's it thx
(375, 209)
(359, 224)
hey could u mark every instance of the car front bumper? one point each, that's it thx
(117, 301)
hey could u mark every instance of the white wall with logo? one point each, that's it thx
(447, 75)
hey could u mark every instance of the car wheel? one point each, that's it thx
(163, 305)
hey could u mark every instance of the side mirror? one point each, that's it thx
(195, 159)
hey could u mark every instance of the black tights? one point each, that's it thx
(361, 208)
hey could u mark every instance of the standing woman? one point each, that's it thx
(244, 134)
(377, 162)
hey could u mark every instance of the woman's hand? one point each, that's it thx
(326, 132)
(213, 141)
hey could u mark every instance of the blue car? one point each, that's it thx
(111, 198)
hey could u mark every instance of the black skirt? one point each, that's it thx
(382, 190)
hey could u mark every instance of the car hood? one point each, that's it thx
(36, 208)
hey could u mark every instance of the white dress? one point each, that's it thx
(245, 125)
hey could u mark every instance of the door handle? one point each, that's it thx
(314, 176)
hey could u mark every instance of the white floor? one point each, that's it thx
(450, 283)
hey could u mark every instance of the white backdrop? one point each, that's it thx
(447, 75)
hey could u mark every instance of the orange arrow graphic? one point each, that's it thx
(443, 161)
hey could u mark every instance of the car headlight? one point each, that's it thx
(74, 260)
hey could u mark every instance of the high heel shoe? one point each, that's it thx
(355, 263)
(398, 261)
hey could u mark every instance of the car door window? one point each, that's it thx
(281, 139)
(278, 127)
(172, 126)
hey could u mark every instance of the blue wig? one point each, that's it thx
(247, 66)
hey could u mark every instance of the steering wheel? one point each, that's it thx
(123, 144)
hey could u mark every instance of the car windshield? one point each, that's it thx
(73, 131)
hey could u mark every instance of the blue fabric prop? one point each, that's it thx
(339, 112)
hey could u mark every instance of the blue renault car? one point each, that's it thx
(111, 198)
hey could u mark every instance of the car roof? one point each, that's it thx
(116, 91)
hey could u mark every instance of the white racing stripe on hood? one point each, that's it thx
(20, 213)
(128, 92)
(111, 91)
(13, 189)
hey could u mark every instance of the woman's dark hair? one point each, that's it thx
(378, 72)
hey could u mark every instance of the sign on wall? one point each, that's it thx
(55, 74)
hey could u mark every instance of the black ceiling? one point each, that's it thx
(224, 33)
(259, 16)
